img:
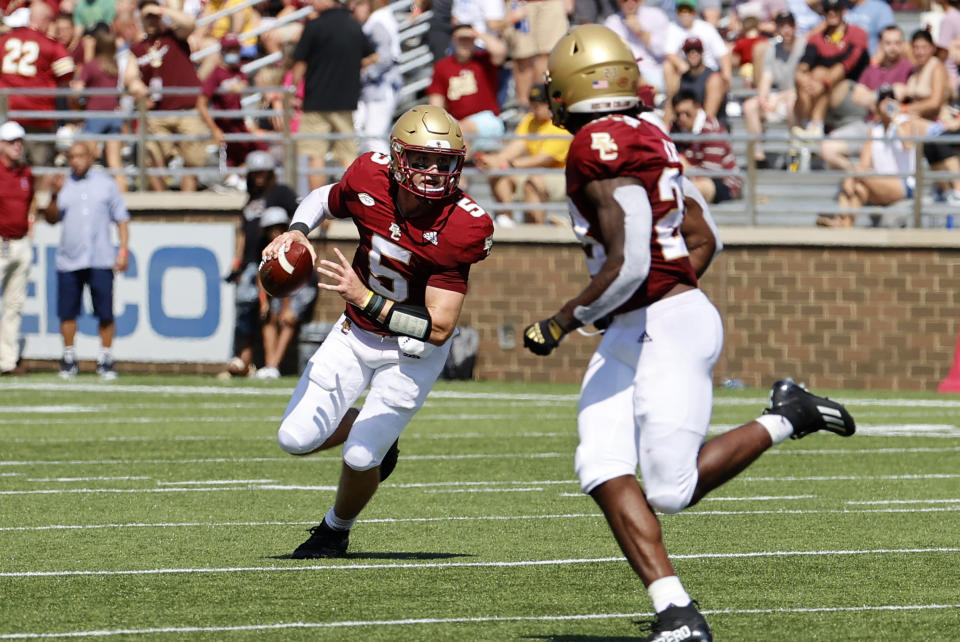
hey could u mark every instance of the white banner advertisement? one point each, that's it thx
(171, 304)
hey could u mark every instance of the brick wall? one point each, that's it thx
(859, 309)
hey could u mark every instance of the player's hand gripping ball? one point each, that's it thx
(288, 272)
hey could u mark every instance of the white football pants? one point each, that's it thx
(15, 257)
(346, 363)
(647, 396)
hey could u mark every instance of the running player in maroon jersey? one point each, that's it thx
(419, 235)
(647, 393)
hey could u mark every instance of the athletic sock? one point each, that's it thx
(70, 353)
(778, 426)
(666, 592)
(336, 523)
(106, 355)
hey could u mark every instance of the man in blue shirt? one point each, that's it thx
(87, 202)
(873, 16)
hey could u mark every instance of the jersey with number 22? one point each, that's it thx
(398, 258)
(618, 146)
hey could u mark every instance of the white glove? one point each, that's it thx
(414, 347)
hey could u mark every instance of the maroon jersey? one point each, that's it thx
(164, 61)
(616, 146)
(16, 192)
(398, 258)
(31, 60)
(223, 87)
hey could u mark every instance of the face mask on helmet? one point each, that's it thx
(428, 172)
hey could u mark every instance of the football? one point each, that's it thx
(288, 272)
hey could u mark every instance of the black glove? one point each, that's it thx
(543, 336)
(234, 276)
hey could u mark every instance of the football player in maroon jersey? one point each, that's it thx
(647, 393)
(419, 235)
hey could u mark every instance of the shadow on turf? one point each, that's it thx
(387, 556)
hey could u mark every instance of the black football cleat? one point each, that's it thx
(807, 412)
(389, 460)
(323, 542)
(679, 624)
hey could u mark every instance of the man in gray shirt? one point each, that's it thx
(776, 94)
(87, 202)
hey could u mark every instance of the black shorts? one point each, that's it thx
(70, 291)
(723, 192)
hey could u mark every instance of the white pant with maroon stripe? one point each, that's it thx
(347, 362)
(646, 398)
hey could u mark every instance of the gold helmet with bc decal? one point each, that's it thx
(591, 70)
(427, 141)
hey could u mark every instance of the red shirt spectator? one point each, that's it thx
(846, 44)
(16, 188)
(31, 60)
(164, 61)
(467, 79)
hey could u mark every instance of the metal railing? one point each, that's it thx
(790, 194)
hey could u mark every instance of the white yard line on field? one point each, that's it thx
(477, 518)
(84, 479)
(447, 457)
(905, 501)
(435, 565)
(553, 617)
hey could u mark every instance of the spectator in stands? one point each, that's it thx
(276, 37)
(87, 202)
(776, 96)
(222, 90)
(808, 20)
(441, 25)
(715, 53)
(533, 156)
(210, 33)
(927, 90)
(63, 31)
(382, 80)
(872, 16)
(590, 11)
(647, 31)
(281, 317)
(533, 28)
(330, 56)
(87, 13)
(161, 60)
(893, 69)
(834, 59)
(750, 43)
(264, 194)
(16, 210)
(705, 83)
(711, 155)
(33, 60)
(102, 73)
(949, 38)
(885, 153)
(465, 84)
(485, 16)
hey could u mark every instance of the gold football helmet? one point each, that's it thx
(426, 129)
(591, 70)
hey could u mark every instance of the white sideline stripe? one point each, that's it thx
(481, 518)
(759, 498)
(215, 482)
(464, 620)
(485, 490)
(249, 460)
(522, 563)
(906, 501)
(241, 390)
(52, 409)
(83, 479)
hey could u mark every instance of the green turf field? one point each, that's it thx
(162, 507)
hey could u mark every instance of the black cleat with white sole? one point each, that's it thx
(323, 542)
(679, 624)
(807, 412)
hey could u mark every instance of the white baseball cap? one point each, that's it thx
(260, 161)
(11, 131)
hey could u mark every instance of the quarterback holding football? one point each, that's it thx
(404, 289)
(647, 393)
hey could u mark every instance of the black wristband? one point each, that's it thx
(299, 227)
(373, 307)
